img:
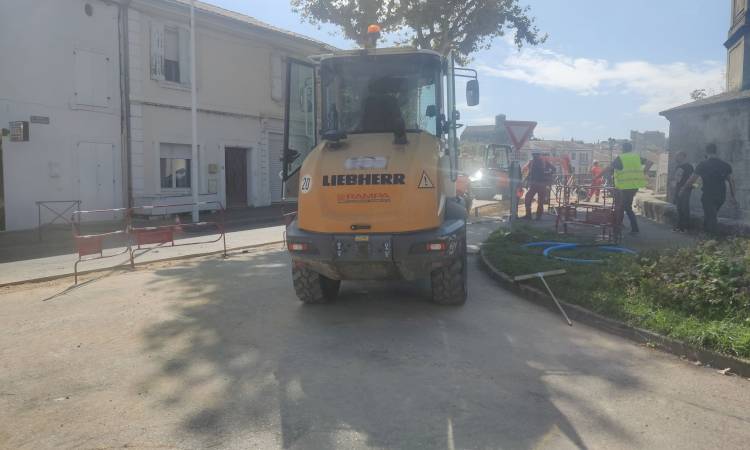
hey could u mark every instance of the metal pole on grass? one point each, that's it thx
(541, 275)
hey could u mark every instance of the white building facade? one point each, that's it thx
(60, 76)
(113, 78)
(241, 66)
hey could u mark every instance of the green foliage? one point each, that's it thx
(700, 295)
(464, 26)
(711, 280)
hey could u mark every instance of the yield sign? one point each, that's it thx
(519, 132)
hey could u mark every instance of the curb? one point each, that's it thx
(577, 313)
(126, 265)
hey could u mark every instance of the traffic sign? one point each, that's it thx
(520, 132)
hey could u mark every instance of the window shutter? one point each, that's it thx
(184, 48)
(157, 51)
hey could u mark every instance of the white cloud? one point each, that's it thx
(660, 85)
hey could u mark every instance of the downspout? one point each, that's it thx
(123, 32)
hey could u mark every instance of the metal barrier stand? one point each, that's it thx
(73, 205)
(165, 234)
(88, 245)
(93, 244)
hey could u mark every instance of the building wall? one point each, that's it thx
(728, 127)
(60, 63)
(240, 101)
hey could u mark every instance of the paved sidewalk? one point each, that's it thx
(62, 265)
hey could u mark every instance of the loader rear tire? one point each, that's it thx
(449, 282)
(312, 287)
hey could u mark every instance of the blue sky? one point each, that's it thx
(607, 67)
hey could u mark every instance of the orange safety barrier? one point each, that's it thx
(165, 234)
(91, 246)
(88, 245)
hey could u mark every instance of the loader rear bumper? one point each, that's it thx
(406, 256)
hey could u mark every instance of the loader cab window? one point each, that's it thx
(379, 94)
(497, 157)
(300, 121)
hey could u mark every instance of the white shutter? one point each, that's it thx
(157, 51)
(184, 48)
(175, 151)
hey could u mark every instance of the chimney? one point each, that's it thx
(500, 123)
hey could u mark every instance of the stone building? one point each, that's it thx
(722, 119)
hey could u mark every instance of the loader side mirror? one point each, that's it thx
(472, 93)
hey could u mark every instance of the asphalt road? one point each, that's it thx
(219, 353)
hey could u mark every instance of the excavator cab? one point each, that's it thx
(493, 179)
(375, 182)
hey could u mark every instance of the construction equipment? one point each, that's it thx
(377, 195)
(493, 178)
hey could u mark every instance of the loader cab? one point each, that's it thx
(497, 157)
(373, 91)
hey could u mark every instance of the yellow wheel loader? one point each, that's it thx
(376, 184)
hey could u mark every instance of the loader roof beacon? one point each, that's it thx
(370, 153)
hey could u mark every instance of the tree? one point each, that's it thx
(461, 26)
(698, 94)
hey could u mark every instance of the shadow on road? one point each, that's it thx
(380, 367)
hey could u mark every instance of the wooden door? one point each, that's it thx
(235, 164)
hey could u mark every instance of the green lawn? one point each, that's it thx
(699, 295)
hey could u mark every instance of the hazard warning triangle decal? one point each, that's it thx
(425, 182)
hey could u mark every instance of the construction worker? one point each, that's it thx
(596, 181)
(716, 174)
(630, 175)
(541, 175)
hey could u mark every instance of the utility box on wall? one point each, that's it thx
(19, 131)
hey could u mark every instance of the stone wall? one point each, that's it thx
(728, 126)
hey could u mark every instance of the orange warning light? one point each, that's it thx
(373, 29)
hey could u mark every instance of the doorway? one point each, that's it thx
(235, 165)
(96, 175)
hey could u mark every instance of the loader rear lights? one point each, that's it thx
(300, 247)
(439, 246)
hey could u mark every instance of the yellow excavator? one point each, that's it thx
(376, 182)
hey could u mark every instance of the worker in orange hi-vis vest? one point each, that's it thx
(596, 181)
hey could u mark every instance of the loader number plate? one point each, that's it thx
(306, 184)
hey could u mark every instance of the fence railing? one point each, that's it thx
(59, 209)
(129, 239)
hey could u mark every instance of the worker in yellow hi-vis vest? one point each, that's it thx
(630, 175)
